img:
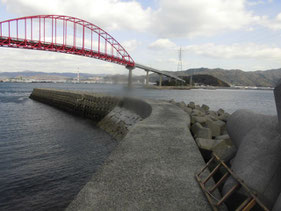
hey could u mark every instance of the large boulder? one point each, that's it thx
(277, 205)
(258, 159)
(277, 95)
(243, 121)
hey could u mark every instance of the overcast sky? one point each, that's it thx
(230, 34)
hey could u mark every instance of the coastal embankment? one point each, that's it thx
(249, 143)
(162, 145)
(154, 163)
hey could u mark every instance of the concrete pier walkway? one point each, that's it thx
(152, 168)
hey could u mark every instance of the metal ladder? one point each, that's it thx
(215, 203)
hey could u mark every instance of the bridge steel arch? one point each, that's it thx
(65, 34)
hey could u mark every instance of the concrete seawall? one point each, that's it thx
(152, 167)
(115, 115)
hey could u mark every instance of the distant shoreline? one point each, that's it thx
(207, 87)
(157, 87)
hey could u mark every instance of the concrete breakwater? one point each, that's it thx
(113, 114)
(152, 167)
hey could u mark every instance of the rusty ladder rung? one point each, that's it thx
(206, 166)
(250, 205)
(228, 194)
(212, 173)
(244, 204)
(219, 182)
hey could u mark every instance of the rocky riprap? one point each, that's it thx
(209, 130)
(249, 143)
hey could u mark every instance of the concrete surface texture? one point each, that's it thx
(242, 121)
(152, 168)
(118, 122)
(277, 95)
(258, 158)
(277, 205)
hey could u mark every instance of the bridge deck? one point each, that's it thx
(144, 67)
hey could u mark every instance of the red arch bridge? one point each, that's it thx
(65, 34)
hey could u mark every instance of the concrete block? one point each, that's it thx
(181, 104)
(205, 107)
(220, 112)
(207, 144)
(198, 107)
(224, 117)
(242, 121)
(201, 132)
(187, 110)
(172, 101)
(200, 119)
(224, 137)
(191, 105)
(277, 95)
(196, 112)
(258, 164)
(225, 150)
(212, 113)
(215, 126)
(211, 117)
(277, 205)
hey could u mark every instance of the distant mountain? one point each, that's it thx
(205, 80)
(267, 78)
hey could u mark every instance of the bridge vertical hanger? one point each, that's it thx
(83, 46)
(9, 30)
(74, 34)
(91, 40)
(44, 30)
(63, 32)
(52, 29)
(31, 29)
(17, 29)
(25, 31)
(39, 30)
(55, 31)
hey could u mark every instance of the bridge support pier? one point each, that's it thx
(160, 80)
(147, 78)
(130, 76)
